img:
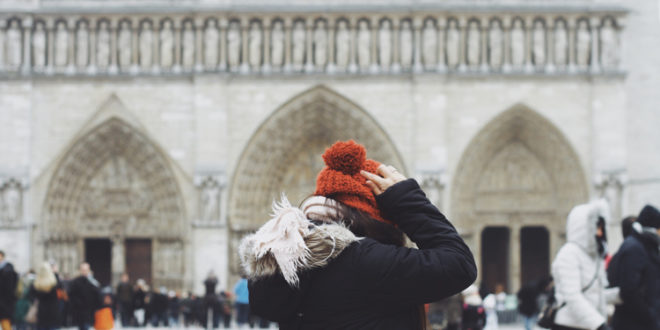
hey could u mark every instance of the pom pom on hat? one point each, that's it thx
(346, 157)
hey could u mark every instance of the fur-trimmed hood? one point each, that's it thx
(290, 243)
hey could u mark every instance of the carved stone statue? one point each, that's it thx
(453, 44)
(473, 44)
(146, 45)
(517, 44)
(166, 45)
(14, 45)
(234, 45)
(61, 44)
(364, 45)
(211, 45)
(82, 45)
(12, 202)
(429, 44)
(255, 45)
(561, 43)
(188, 43)
(320, 45)
(495, 45)
(39, 46)
(298, 51)
(385, 44)
(277, 45)
(210, 203)
(103, 45)
(124, 45)
(538, 42)
(609, 45)
(583, 45)
(343, 45)
(406, 46)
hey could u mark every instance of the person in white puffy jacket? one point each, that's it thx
(579, 270)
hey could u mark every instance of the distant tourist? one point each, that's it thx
(84, 298)
(44, 293)
(125, 300)
(8, 282)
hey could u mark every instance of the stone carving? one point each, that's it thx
(538, 42)
(103, 45)
(255, 45)
(320, 45)
(406, 44)
(429, 44)
(517, 44)
(210, 198)
(495, 45)
(364, 45)
(234, 45)
(610, 185)
(298, 50)
(385, 44)
(473, 44)
(582, 45)
(609, 45)
(433, 184)
(166, 45)
(453, 44)
(10, 203)
(561, 44)
(82, 45)
(146, 44)
(343, 45)
(277, 45)
(61, 44)
(211, 38)
(14, 45)
(188, 45)
(39, 46)
(124, 45)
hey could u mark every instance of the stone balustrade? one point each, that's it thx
(541, 42)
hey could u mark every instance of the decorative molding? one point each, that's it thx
(12, 201)
(211, 188)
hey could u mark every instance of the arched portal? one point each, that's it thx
(519, 170)
(114, 189)
(284, 155)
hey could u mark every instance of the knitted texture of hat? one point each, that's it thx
(341, 179)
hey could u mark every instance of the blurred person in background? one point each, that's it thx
(125, 300)
(44, 293)
(8, 283)
(84, 297)
(242, 301)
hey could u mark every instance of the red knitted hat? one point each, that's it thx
(341, 179)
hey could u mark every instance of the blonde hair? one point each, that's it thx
(45, 280)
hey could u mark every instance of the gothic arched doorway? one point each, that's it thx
(114, 193)
(284, 155)
(518, 171)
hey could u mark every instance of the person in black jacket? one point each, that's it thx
(44, 292)
(8, 282)
(84, 297)
(125, 300)
(635, 269)
(339, 261)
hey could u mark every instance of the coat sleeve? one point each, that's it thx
(566, 271)
(630, 269)
(441, 267)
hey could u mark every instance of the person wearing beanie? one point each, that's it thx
(635, 268)
(340, 260)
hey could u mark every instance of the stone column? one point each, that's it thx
(550, 45)
(442, 27)
(91, 69)
(483, 53)
(71, 52)
(352, 28)
(27, 45)
(155, 52)
(309, 58)
(50, 44)
(287, 44)
(177, 26)
(331, 67)
(118, 258)
(266, 44)
(417, 45)
(514, 255)
(245, 28)
(199, 42)
(113, 27)
(135, 46)
(373, 24)
(594, 23)
(462, 28)
(506, 48)
(396, 35)
(3, 37)
(571, 26)
(222, 55)
(529, 29)
(476, 243)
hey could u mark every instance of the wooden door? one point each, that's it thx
(138, 259)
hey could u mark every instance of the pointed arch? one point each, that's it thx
(284, 154)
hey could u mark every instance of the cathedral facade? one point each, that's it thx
(149, 138)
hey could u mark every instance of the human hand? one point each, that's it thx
(387, 176)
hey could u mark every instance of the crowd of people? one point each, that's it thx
(43, 300)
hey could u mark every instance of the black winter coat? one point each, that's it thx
(8, 282)
(85, 299)
(635, 269)
(48, 311)
(371, 285)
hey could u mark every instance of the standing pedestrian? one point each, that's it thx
(125, 300)
(635, 269)
(579, 270)
(242, 301)
(8, 283)
(84, 297)
(44, 293)
(340, 262)
(528, 307)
